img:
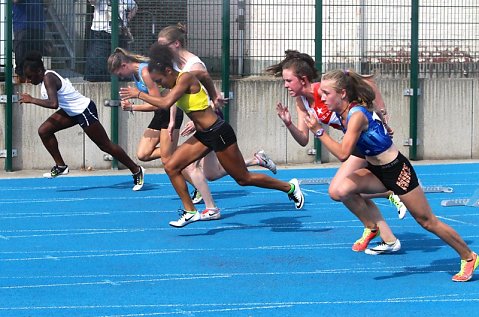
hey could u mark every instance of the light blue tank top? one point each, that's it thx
(140, 84)
(375, 139)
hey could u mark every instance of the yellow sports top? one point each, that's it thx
(193, 102)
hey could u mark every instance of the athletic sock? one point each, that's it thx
(291, 189)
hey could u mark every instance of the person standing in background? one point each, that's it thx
(99, 43)
(28, 32)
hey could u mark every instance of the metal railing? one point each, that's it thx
(372, 36)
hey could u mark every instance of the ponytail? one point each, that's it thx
(355, 85)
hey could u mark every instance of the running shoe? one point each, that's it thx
(362, 243)
(139, 179)
(210, 214)
(186, 217)
(401, 208)
(196, 197)
(384, 247)
(57, 171)
(467, 269)
(265, 161)
(296, 195)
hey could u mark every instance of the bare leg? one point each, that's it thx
(195, 176)
(56, 122)
(358, 204)
(213, 169)
(168, 144)
(232, 161)
(187, 153)
(420, 209)
(148, 149)
(97, 134)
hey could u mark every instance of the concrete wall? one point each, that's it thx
(447, 123)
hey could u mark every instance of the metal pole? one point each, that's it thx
(8, 87)
(414, 78)
(362, 38)
(241, 30)
(225, 55)
(318, 53)
(115, 87)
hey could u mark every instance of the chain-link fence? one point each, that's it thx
(368, 35)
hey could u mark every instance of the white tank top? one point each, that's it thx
(189, 63)
(69, 99)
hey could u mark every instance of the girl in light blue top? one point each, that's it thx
(165, 125)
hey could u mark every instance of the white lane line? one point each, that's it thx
(199, 276)
(457, 221)
(85, 256)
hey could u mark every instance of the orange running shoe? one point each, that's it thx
(362, 243)
(467, 269)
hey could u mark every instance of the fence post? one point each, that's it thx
(114, 81)
(414, 81)
(318, 53)
(8, 87)
(225, 55)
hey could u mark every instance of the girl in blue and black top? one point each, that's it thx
(347, 94)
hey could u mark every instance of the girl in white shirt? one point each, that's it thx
(73, 108)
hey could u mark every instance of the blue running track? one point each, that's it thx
(90, 246)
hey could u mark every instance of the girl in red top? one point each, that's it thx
(298, 72)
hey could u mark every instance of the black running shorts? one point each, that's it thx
(217, 137)
(161, 119)
(398, 176)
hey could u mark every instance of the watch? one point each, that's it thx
(319, 133)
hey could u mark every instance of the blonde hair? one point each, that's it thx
(174, 33)
(120, 55)
(355, 85)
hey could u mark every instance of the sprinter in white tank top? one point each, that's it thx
(73, 108)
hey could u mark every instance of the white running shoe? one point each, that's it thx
(186, 218)
(139, 179)
(265, 161)
(57, 171)
(296, 195)
(210, 214)
(401, 208)
(384, 247)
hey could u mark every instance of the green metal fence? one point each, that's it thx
(368, 35)
(402, 38)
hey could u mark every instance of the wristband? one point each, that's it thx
(138, 97)
(287, 124)
(319, 133)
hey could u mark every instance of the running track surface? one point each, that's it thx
(90, 246)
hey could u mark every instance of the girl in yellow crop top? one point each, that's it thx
(212, 134)
(195, 101)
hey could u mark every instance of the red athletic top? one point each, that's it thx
(324, 115)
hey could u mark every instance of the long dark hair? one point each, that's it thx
(161, 57)
(301, 63)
